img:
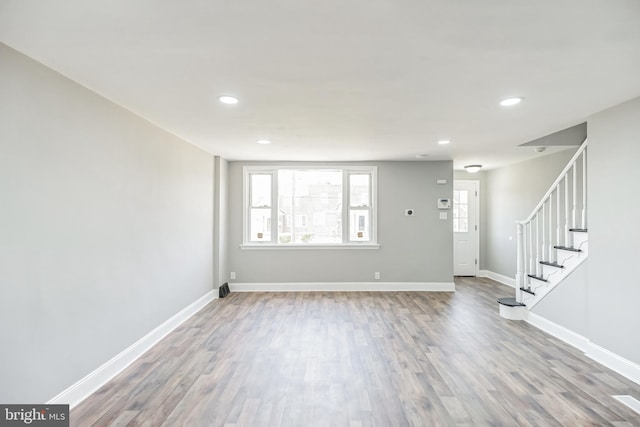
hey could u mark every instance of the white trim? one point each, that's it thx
(560, 332)
(82, 389)
(477, 183)
(616, 363)
(624, 367)
(630, 401)
(476, 188)
(298, 246)
(346, 170)
(498, 277)
(343, 287)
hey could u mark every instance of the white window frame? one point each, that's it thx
(372, 171)
(248, 206)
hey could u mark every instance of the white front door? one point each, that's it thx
(465, 228)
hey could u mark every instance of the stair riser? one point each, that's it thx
(564, 257)
(579, 239)
(513, 313)
(551, 273)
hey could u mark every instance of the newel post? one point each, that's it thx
(520, 261)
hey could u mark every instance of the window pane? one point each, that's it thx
(359, 190)
(260, 190)
(359, 225)
(260, 225)
(309, 206)
(460, 211)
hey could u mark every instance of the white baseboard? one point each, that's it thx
(96, 379)
(616, 363)
(560, 332)
(509, 281)
(343, 287)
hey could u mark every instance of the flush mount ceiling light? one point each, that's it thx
(263, 141)
(227, 99)
(444, 142)
(511, 101)
(472, 168)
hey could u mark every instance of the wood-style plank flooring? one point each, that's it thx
(360, 359)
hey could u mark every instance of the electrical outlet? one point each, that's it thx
(232, 275)
(376, 275)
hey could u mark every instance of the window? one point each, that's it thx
(294, 206)
(460, 211)
(260, 207)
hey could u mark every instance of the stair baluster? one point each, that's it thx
(567, 239)
(575, 197)
(558, 223)
(584, 189)
(550, 248)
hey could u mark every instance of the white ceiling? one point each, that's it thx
(344, 80)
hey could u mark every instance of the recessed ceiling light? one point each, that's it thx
(511, 101)
(421, 156)
(226, 99)
(263, 141)
(444, 142)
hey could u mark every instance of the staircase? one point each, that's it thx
(553, 240)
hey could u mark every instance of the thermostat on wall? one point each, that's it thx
(444, 203)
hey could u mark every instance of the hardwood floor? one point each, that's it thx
(359, 359)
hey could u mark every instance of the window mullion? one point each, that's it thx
(247, 206)
(346, 203)
(293, 207)
(370, 200)
(274, 207)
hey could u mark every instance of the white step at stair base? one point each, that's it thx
(513, 313)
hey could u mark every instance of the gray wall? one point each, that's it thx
(511, 194)
(614, 238)
(413, 248)
(482, 209)
(566, 305)
(105, 229)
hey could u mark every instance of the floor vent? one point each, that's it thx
(630, 401)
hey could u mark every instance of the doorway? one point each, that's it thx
(466, 245)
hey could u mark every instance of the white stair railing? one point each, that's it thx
(562, 209)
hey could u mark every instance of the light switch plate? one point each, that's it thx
(443, 215)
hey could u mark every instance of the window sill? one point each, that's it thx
(348, 246)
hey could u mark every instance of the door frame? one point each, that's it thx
(476, 183)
